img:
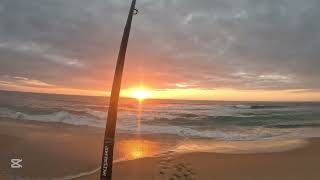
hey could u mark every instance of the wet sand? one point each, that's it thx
(59, 151)
(298, 164)
(47, 150)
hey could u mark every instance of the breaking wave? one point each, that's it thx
(219, 121)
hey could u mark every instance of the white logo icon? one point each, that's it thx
(15, 163)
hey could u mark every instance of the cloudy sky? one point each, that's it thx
(70, 46)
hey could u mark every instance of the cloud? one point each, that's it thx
(23, 81)
(244, 44)
(42, 51)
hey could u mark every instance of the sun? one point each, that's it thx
(140, 93)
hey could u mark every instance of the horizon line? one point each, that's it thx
(177, 99)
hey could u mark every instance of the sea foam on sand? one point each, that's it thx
(241, 147)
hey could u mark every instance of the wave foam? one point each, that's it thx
(129, 123)
(242, 147)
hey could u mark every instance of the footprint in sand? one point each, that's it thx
(174, 169)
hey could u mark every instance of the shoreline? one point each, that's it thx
(59, 151)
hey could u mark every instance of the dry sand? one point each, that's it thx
(62, 151)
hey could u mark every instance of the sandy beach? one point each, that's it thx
(47, 151)
(299, 164)
(59, 151)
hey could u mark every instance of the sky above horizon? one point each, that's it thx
(185, 49)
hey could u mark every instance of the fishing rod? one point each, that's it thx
(107, 154)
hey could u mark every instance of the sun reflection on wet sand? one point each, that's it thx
(135, 149)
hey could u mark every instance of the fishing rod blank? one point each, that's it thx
(107, 154)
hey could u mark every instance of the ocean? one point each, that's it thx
(230, 121)
(65, 129)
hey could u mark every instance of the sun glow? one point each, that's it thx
(140, 93)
